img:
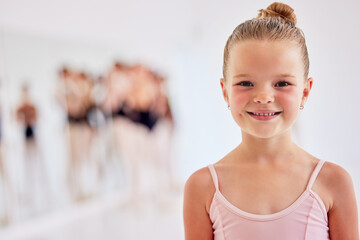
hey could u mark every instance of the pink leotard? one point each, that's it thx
(305, 219)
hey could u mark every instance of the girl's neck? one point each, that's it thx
(267, 151)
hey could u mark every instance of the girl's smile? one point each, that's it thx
(264, 115)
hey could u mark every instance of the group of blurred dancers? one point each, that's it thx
(122, 118)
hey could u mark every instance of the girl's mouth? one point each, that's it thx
(264, 116)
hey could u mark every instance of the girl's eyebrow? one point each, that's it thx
(286, 75)
(241, 75)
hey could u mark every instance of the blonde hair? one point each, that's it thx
(276, 22)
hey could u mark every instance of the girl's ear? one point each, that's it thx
(224, 90)
(306, 91)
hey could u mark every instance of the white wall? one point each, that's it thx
(185, 40)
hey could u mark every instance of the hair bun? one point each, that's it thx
(277, 9)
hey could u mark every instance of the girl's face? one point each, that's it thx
(265, 86)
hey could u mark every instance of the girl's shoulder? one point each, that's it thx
(200, 178)
(342, 211)
(200, 187)
(335, 183)
(333, 172)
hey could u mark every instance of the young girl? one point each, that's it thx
(268, 187)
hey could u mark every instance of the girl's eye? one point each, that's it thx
(245, 83)
(282, 84)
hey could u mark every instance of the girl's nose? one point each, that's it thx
(264, 97)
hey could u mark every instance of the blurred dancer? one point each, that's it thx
(119, 83)
(102, 148)
(26, 114)
(145, 161)
(74, 95)
(35, 174)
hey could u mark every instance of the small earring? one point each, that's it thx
(301, 107)
(229, 107)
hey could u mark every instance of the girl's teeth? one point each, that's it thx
(264, 114)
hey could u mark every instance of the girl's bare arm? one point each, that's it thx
(343, 213)
(197, 196)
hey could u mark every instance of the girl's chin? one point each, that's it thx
(265, 135)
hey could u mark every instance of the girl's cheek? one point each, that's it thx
(289, 99)
(239, 98)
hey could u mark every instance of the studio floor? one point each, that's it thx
(111, 217)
